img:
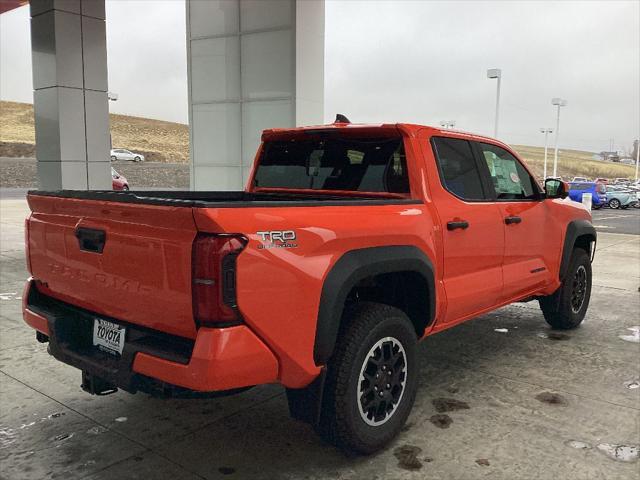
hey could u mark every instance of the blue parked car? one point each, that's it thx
(597, 190)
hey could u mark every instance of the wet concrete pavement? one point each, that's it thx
(540, 405)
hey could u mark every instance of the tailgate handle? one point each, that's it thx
(91, 239)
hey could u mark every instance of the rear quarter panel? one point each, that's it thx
(278, 289)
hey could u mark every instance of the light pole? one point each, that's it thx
(546, 132)
(496, 73)
(637, 157)
(558, 102)
(447, 124)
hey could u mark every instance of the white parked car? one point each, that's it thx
(122, 154)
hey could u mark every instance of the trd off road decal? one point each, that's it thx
(277, 239)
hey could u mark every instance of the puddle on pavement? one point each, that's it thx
(551, 398)
(441, 420)
(634, 337)
(622, 453)
(501, 330)
(632, 385)
(483, 462)
(577, 444)
(407, 456)
(554, 336)
(443, 405)
(227, 470)
(121, 419)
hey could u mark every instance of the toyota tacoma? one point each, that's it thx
(349, 244)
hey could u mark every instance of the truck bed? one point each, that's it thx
(219, 199)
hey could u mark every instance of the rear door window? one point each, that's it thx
(459, 171)
(364, 165)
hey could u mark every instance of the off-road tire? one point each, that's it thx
(558, 310)
(341, 422)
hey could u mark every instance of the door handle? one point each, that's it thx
(463, 224)
(510, 220)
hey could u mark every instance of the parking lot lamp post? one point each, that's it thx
(637, 157)
(558, 102)
(546, 132)
(497, 74)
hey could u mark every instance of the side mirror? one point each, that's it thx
(555, 188)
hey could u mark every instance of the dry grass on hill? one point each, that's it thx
(573, 163)
(158, 140)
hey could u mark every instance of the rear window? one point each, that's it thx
(364, 165)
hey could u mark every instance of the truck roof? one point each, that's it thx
(409, 129)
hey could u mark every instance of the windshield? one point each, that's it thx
(364, 165)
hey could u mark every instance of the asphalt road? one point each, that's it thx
(617, 221)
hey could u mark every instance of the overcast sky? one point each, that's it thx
(414, 61)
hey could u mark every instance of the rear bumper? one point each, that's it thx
(219, 359)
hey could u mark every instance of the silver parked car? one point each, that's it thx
(620, 197)
(122, 154)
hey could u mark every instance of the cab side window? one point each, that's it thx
(510, 179)
(459, 172)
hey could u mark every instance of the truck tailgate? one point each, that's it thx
(131, 262)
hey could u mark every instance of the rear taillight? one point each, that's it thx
(214, 279)
(26, 244)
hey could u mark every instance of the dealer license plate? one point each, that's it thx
(108, 336)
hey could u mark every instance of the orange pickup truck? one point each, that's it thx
(349, 244)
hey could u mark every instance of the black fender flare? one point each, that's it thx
(575, 229)
(354, 266)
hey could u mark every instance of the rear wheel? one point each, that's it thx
(371, 379)
(614, 203)
(566, 308)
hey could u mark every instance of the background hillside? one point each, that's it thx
(168, 142)
(159, 141)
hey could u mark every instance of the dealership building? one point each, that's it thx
(252, 64)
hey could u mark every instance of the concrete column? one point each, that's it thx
(69, 55)
(252, 64)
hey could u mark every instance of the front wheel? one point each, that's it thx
(565, 309)
(113, 158)
(137, 159)
(614, 203)
(371, 379)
